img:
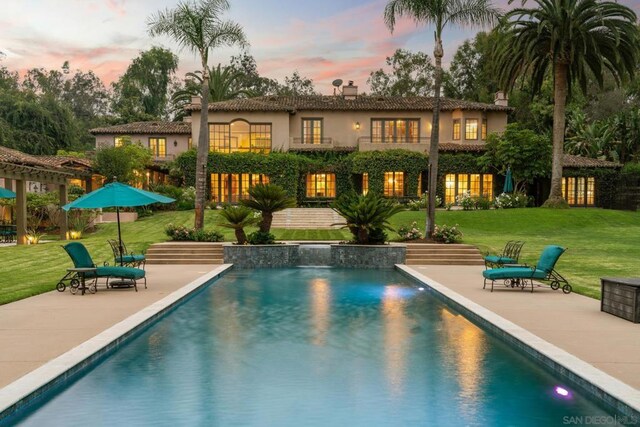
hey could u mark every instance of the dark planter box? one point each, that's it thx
(367, 256)
(621, 297)
(261, 256)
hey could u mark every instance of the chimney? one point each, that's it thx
(501, 99)
(350, 91)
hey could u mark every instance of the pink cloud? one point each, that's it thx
(116, 6)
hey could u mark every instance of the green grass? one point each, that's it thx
(601, 243)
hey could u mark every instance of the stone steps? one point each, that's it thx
(185, 253)
(442, 254)
(307, 218)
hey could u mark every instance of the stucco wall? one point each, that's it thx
(176, 144)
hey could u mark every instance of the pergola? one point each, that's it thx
(19, 167)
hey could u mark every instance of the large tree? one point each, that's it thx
(440, 14)
(574, 40)
(411, 74)
(142, 92)
(198, 26)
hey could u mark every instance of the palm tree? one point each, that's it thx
(268, 198)
(439, 13)
(223, 85)
(575, 40)
(198, 27)
(237, 218)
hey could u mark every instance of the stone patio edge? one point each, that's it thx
(598, 384)
(54, 373)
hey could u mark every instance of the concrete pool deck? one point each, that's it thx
(573, 322)
(38, 329)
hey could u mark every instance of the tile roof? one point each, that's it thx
(9, 155)
(571, 161)
(157, 127)
(65, 161)
(338, 103)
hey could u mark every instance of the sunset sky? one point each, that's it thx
(324, 40)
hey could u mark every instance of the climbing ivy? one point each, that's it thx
(376, 163)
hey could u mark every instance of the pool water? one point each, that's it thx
(314, 347)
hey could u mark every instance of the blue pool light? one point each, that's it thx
(421, 289)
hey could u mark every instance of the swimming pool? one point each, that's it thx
(314, 347)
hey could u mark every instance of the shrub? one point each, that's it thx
(512, 200)
(483, 203)
(185, 198)
(447, 234)
(421, 203)
(366, 215)
(466, 201)
(410, 232)
(181, 233)
(237, 218)
(261, 238)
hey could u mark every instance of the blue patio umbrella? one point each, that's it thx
(117, 195)
(508, 182)
(7, 194)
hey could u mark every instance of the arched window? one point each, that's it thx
(240, 136)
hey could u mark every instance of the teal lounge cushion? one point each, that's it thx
(549, 257)
(514, 273)
(119, 272)
(495, 259)
(131, 259)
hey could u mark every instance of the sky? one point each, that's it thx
(323, 40)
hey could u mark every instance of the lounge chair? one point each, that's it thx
(510, 255)
(522, 276)
(126, 258)
(81, 259)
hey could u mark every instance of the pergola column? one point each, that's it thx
(21, 211)
(64, 199)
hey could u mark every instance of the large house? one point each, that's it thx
(341, 123)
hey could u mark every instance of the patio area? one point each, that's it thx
(36, 330)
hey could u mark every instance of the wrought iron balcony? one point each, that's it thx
(303, 144)
(366, 143)
(165, 158)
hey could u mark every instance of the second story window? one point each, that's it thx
(118, 141)
(456, 129)
(390, 131)
(240, 136)
(312, 131)
(471, 129)
(158, 146)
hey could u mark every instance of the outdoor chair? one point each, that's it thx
(126, 258)
(81, 259)
(523, 276)
(510, 255)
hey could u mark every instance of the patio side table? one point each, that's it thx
(621, 297)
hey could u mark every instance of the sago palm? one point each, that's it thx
(198, 27)
(575, 40)
(268, 198)
(440, 14)
(365, 215)
(237, 218)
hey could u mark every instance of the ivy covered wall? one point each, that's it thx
(289, 170)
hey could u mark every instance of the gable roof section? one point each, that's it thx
(571, 161)
(155, 127)
(66, 161)
(9, 155)
(293, 104)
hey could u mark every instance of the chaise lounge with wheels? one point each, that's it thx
(123, 257)
(128, 276)
(510, 255)
(522, 275)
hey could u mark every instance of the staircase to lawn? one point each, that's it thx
(184, 253)
(440, 254)
(307, 218)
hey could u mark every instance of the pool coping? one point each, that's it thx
(597, 384)
(31, 386)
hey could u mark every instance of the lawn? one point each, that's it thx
(601, 243)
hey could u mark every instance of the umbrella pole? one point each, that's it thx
(119, 235)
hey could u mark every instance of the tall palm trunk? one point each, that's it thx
(438, 53)
(561, 77)
(203, 152)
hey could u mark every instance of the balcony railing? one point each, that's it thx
(366, 143)
(306, 145)
(165, 158)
